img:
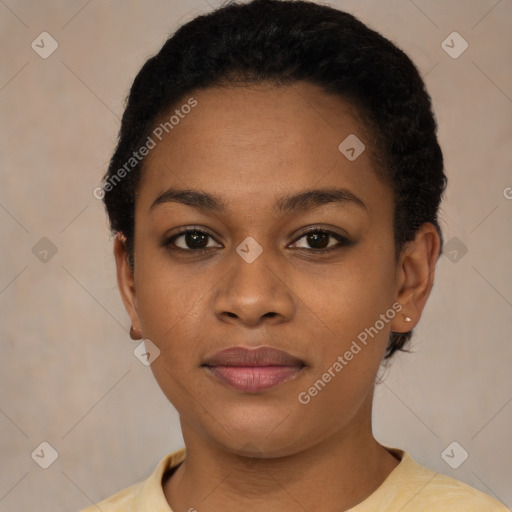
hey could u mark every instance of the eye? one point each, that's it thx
(320, 240)
(191, 240)
(198, 241)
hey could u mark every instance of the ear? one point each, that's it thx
(415, 276)
(125, 280)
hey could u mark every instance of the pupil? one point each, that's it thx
(193, 236)
(314, 238)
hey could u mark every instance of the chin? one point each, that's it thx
(261, 434)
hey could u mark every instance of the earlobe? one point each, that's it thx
(125, 280)
(415, 276)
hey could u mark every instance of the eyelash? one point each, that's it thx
(343, 241)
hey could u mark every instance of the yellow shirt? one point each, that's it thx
(410, 487)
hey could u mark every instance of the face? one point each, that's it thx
(268, 263)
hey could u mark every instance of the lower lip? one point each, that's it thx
(254, 379)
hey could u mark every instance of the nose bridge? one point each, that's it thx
(253, 288)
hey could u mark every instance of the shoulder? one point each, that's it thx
(443, 491)
(433, 491)
(411, 487)
(122, 501)
(144, 496)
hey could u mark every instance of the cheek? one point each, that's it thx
(348, 347)
(171, 309)
(345, 308)
(169, 297)
(350, 294)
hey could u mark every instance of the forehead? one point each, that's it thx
(256, 143)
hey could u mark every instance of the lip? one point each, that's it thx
(253, 370)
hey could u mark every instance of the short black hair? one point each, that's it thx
(284, 42)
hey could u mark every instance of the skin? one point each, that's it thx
(252, 145)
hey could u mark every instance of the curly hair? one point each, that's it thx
(283, 42)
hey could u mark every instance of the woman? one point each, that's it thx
(274, 195)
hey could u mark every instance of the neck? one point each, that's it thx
(334, 474)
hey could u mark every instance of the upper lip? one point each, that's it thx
(258, 356)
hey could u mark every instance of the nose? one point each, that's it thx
(256, 292)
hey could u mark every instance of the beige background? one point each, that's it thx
(68, 374)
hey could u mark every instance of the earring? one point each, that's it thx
(407, 319)
(134, 335)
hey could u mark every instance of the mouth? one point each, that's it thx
(253, 370)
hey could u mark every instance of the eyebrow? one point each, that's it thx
(304, 201)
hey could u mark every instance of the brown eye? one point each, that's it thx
(190, 240)
(320, 240)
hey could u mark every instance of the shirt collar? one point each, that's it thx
(151, 496)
